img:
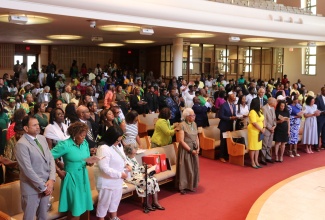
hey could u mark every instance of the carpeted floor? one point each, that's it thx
(225, 191)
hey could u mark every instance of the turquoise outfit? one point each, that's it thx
(75, 192)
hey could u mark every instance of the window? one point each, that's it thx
(310, 60)
(311, 6)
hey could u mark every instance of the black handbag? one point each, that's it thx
(239, 124)
(239, 140)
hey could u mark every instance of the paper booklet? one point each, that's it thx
(139, 151)
(93, 159)
(125, 186)
(283, 118)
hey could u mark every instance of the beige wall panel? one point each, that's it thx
(294, 66)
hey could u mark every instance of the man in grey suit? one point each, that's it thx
(270, 123)
(37, 170)
(45, 96)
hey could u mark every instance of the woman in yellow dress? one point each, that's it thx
(255, 127)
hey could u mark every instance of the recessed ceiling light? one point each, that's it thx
(258, 40)
(110, 45)
(64, 37)
(32, 19)
(139, 41)
(120, 28)
(195, 35)
(317, 43)
(36, 41)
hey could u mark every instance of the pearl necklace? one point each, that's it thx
(191, 125)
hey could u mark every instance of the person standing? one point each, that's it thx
(260, 97)
(187, 171)
(282, 129)
(320, 102)
(227, 115)
(270, 124)
(254, 129)
(295, 118)
(37, 170)
(309, 136)
(75, 194)
(111, 172)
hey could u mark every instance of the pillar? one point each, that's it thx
(177, 57)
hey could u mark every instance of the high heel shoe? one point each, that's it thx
(157, 206)
(150, 208)
(290, 154)
(255, 167)
(296, 154)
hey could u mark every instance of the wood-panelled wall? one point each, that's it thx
(153, 60)
(7, 53)
(63, 56)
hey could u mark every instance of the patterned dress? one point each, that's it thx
(137, 178)
(294, 123)
(131, 133)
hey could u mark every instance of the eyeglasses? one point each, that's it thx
(191, 115)
(117, 112)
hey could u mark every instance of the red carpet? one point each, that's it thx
(225, 191)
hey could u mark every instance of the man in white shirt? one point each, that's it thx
(98, 70)
(250, 96)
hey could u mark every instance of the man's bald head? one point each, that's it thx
(272, 102)
(83, 112)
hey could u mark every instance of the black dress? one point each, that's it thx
(281, 129)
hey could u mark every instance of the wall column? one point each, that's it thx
(177, 57)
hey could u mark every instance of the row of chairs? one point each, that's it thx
(268, 5)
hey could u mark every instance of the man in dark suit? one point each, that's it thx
(37, 170)
(51, 79)
(152, 100)
(200, 111)
(320, 102)
(83, 115)
(137, 102)
(260, 97)
(227, 115)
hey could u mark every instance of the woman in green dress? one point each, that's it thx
(75, 192)
(39, 110)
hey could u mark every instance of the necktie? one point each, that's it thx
(90, 135)
(261, 101)
(39, 145)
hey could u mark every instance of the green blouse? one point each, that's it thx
(163, 132)
(43, 121)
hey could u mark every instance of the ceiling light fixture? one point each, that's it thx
(17, 19)
(258, 40)
(234, 39)
(195, 35)
(64, 37)
(110, 45)
(139, 41)
(37, 41)
(146, 31)
(120, 28)
(31, 19)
